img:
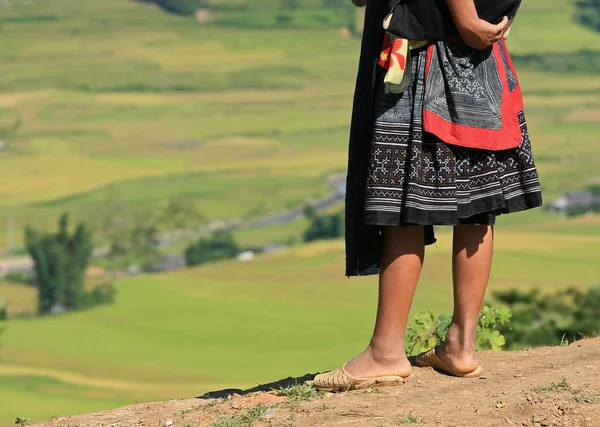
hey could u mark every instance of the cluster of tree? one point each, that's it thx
(221, 245)
(588, 13)
(548, 319)
(3, 314)
(60, 262)
(323, 226)
(3, 309)
(180, 7)
(344, 8)
(134, 235)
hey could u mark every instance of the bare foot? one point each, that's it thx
(458, 351)
(372, 363)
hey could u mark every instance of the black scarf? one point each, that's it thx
(432, 20)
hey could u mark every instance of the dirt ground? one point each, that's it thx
(548, 386)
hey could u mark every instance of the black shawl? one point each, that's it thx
(362, 242)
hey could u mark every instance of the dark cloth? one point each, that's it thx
(432, 20)
(362, 242)
(416, 178)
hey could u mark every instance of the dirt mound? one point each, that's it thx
(548, 386)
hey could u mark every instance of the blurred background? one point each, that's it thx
(172, 184)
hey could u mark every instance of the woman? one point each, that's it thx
(451, 149)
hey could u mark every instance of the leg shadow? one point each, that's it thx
(284, 383)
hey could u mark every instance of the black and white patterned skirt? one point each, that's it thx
(416, 178)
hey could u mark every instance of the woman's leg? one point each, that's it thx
(472, 253)
(401, 262)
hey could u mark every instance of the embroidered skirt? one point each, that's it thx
(416, 178)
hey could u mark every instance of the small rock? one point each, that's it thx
(169, 423)
(545, 423)
(500, 405)
(235, 404)
(268, 414)
(529, 399)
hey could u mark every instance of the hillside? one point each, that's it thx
(548, 386)
(235, 324)
(116, 97)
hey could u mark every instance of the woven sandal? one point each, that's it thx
(341, 380)
(430, 359)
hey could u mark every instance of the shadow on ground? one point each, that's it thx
(284, 383)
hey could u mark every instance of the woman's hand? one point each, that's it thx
(480, 34)
(359, 3)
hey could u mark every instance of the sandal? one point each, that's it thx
(430, 359)
(341, 380)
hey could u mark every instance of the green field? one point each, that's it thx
(236, 324)
(95, 96)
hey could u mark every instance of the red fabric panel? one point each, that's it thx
(488, 139)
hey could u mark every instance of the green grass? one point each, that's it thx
(579, 395)
(562, 385)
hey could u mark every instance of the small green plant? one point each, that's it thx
(426, 331)
(563, 385)
(578, 395)
(23, 422)
(242, 419)
(299, 393)
(409, 419)
(584, 396)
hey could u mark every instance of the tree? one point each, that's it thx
(547, 319)
(349, 10)
(588, 14)
(323, 226)
(3, 314)
(134, 236)
(289, 4)
(181, 7)
(60, 261)
(178, 214)
(220, 245)
(3, 310)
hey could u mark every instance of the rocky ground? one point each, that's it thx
(549, 386)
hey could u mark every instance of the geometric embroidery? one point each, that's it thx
(414, 177)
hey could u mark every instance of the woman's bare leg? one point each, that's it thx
(472, 253)
(401, 262)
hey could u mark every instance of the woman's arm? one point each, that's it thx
(476, 33)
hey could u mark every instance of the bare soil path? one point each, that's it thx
(548, 386)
